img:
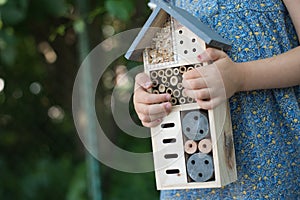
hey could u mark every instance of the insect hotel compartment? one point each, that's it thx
(172, 44)
(197, 146)
(169, 80)
(193, 148)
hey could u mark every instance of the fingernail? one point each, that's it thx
(167, 106)
(199, 57)
(148, 84)
(168, 97)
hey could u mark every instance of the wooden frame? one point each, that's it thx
(175, 166)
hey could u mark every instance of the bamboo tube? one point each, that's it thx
(190, 147)
(205, 146)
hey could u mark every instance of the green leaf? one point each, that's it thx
(94, 13)
(13, 12)
(2, 2)
(120, 9)
(61, 30)
(79, 26)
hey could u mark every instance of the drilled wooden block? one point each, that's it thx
(200, 167)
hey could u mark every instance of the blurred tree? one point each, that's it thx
(41, 156)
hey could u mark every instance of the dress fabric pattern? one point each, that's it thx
(266, 123)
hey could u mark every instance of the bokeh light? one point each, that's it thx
(2, 84)
(35, 88)
(56, 113)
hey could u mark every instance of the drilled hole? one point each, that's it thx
(193, 40)
(160, 72)
(188, 129)
(194, 49)
(196, 118)
(170, 156)
(173, 100)
(154, 74)
(180, 31)
(200, 174)
(190, 99)
(168, 125)
(170, 140)
(172, 171)
(176, 93)
(193, 162)
(204, 146)
(190, 68)
(185, 51)
(206, 162)
(201, 131)
(155, 83)
(181, 42)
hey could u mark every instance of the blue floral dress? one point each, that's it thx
(266, 123)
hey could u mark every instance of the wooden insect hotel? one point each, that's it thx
(192, 147)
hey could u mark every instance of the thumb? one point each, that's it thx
(211, 54)
(143, 80)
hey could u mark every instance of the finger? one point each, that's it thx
(198, 94)
(142, 80)
(142, 96)
(153, 117)
(152, 124)
(194, 83)
(153, 109)
(211, 54)
(208, 104)
(192, 74)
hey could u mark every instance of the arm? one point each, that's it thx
(280, 71)
(214, 83)
(293, 7)
(276, 72)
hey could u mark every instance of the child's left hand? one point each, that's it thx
(212, 84)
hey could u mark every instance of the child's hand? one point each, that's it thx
(151, 108)
(213, 84)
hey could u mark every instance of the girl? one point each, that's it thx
(261, 77)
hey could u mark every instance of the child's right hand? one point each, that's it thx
(151, 108)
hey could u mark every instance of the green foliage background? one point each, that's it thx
(41, 156)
